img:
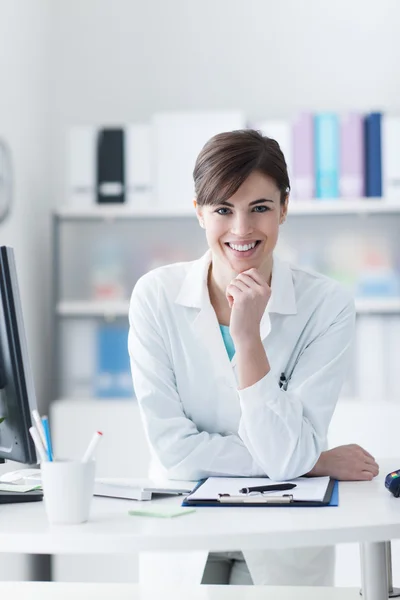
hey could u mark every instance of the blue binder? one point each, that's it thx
(373, 155)
(326, 133)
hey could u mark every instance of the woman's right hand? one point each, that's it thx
(346, 463)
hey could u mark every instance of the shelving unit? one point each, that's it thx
(120, 309)
(68, 308)
(361, 206)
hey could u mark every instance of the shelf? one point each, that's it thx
(358, 206)
(107, 309)
(111, 213)
(121, 308)
(377, 305)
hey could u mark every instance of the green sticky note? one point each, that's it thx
(161, 512)
(13, 487)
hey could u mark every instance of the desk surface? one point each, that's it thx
(105, 591)
(367, 512)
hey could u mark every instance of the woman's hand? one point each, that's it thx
(346, 463)
(248, 295)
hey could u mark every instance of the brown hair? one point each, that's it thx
(227, 159)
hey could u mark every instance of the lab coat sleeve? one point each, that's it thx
(286, 431)
(183, 451)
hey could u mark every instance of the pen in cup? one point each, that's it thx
(92, 446)
(39, 426)
(46, 427)
(38, 444)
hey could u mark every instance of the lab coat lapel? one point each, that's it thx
(206, 332)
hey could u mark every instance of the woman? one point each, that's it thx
(238, 358)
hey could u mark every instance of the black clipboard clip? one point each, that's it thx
(261, 499)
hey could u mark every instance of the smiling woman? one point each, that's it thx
(212, 340)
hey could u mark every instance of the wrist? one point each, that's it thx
(247, 342)
(320, 469)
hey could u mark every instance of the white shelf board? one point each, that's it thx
(111, 212)
(121, 308)
(340, 206)
(94, 308)
(377, 305)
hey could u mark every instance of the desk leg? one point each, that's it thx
(374, 575)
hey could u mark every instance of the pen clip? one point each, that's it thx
(245, 499)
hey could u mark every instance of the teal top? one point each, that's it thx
(228, 341)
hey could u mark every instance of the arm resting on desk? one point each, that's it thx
(184, 452)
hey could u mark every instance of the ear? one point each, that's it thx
(199, 213)
(284, 209)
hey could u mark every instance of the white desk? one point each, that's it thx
(104, 591)
(367, 514)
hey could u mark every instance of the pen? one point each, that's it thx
(283, 381)
(274, 487)
(38, 444)
(49, 448)
(39, 426)
(92, 446)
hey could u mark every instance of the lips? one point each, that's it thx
(246, 250)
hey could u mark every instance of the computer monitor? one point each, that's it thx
(17, 392)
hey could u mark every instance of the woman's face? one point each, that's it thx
(242, 232)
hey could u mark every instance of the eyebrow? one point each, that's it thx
(260, 201)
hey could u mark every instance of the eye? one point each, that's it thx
(261, 209)
(223, 211)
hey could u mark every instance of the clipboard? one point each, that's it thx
(331, 498)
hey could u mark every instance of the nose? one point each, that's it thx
(241, 225)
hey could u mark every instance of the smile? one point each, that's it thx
(243, 249)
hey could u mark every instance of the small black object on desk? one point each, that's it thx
(273, 487)
(392, 483)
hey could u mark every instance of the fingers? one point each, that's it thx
(363, 451)
(256, 276)
(366, 476)
(238, 283)
(371, 462)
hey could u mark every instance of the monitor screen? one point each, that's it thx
(17, 393)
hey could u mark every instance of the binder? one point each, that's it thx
(390, 134)
(331, 498)
(303, 175)
(351, 178)
(281, 131)
(110, 166)
(327, 155)
(373, 155)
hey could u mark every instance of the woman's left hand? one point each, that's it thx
(248, 295)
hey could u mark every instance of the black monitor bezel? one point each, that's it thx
(19, 358)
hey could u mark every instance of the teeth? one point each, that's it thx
(242, 248)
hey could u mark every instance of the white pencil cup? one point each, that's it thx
(68, 490)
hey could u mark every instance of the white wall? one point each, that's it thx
(24, 98)
(23, 109)
(122, 60)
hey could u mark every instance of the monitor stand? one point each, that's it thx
(14, 497)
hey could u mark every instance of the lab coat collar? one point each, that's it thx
(194, 291)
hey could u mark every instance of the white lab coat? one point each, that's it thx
(199, 424)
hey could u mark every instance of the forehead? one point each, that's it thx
(256, 187)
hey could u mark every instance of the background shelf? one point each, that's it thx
(120, 308)
(362, 206)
